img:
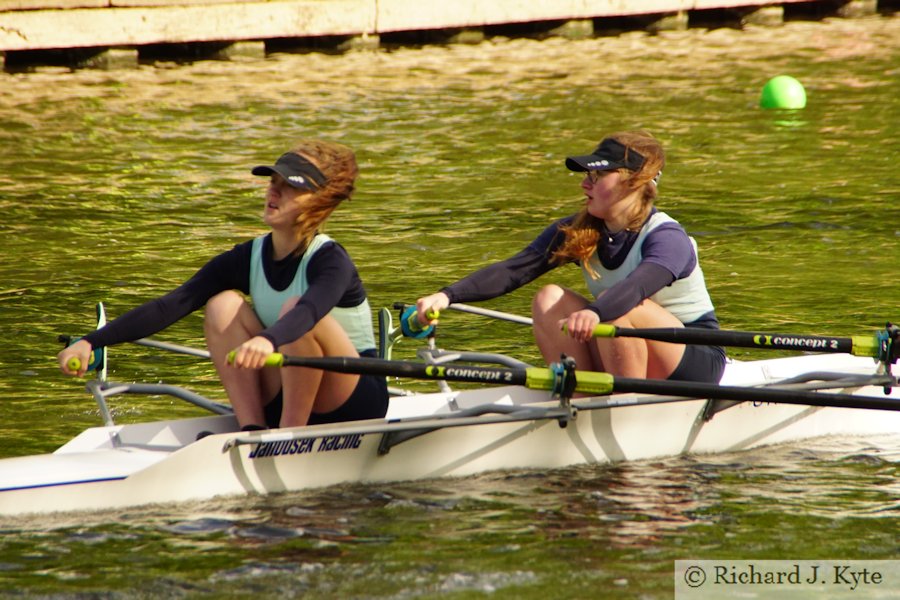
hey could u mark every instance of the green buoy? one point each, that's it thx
(783, 92)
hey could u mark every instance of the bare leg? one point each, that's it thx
(313, 390)
(229, 322)
(625, 357)
(551, 305)
(634, 357)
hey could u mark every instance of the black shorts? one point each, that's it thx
(368, 401)
(700, 363)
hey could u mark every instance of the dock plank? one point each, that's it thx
(59, 24)
(14, 5)
(411, 15)
(80, 28)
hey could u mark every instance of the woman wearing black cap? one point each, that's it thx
(307, 300)
(639, 264)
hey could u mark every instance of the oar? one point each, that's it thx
(177, 348)
(556, 379)
(883, 345)
(494, 314)
(75, 364)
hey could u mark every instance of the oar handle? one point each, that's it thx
(410, 325)
(74, 363)
(601, 330)
(276, 359)
(604, 330)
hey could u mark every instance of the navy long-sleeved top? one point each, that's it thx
(332, 276)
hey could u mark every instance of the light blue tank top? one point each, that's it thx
(685, 298)
(267, 302)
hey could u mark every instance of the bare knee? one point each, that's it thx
(546, 298)
(221, 310)
(647, 314)
(553, 303)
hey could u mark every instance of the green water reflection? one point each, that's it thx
(567, 534)
(116, 186)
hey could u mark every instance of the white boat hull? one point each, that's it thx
(130, 465)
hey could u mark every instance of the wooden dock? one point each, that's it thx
(118, 32)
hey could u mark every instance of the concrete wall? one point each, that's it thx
(35, 25)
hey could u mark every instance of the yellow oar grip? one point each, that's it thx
(601, 330)
(604, 330)
(413, 319)
(74, 363)
(276, 359)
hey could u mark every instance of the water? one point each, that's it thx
(116, 186)
(574, 533)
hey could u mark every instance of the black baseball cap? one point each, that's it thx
(608, 156)
(296, 170)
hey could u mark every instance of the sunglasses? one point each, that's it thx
(595, 176)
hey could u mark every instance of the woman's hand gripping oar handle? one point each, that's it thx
(273, 360)
(601, 330)
(412, 327)
(74, 362)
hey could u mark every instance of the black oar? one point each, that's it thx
(558, 380)
(883, 345)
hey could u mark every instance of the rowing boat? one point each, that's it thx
(447, 433)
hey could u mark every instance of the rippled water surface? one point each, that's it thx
(116, 186)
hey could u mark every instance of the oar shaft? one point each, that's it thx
(535, 378)
(858, 345)
(587, 382)
(74, 363)
(753, 394)
(178, 348)
(494, 314)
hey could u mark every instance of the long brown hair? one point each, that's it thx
(583, 234)
(338, 164)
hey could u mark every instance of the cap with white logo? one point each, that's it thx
(296, 170)
(608, 156)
